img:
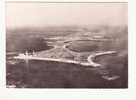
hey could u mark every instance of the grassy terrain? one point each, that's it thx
(89, 46)
(21, 43)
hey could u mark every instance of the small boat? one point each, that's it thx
(12, 62)
(110, 78)
(11, 86)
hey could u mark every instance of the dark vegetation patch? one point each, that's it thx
(21, 43)
(89, 46)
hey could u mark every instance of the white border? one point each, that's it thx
(73, 0)
(74, 94)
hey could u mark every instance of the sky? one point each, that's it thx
(59, 14)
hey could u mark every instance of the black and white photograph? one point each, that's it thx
(66, 45)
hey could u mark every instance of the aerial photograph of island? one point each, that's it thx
(66, 45)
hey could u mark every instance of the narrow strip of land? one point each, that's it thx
(89, 59)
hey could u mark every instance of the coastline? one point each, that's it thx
(90, 59)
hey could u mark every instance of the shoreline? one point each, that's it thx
(90, 59)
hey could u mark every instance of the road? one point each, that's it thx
(93, 56)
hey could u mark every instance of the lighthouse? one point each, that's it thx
(33, 53)
(26, 53)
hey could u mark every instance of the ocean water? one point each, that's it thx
(48, 74)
